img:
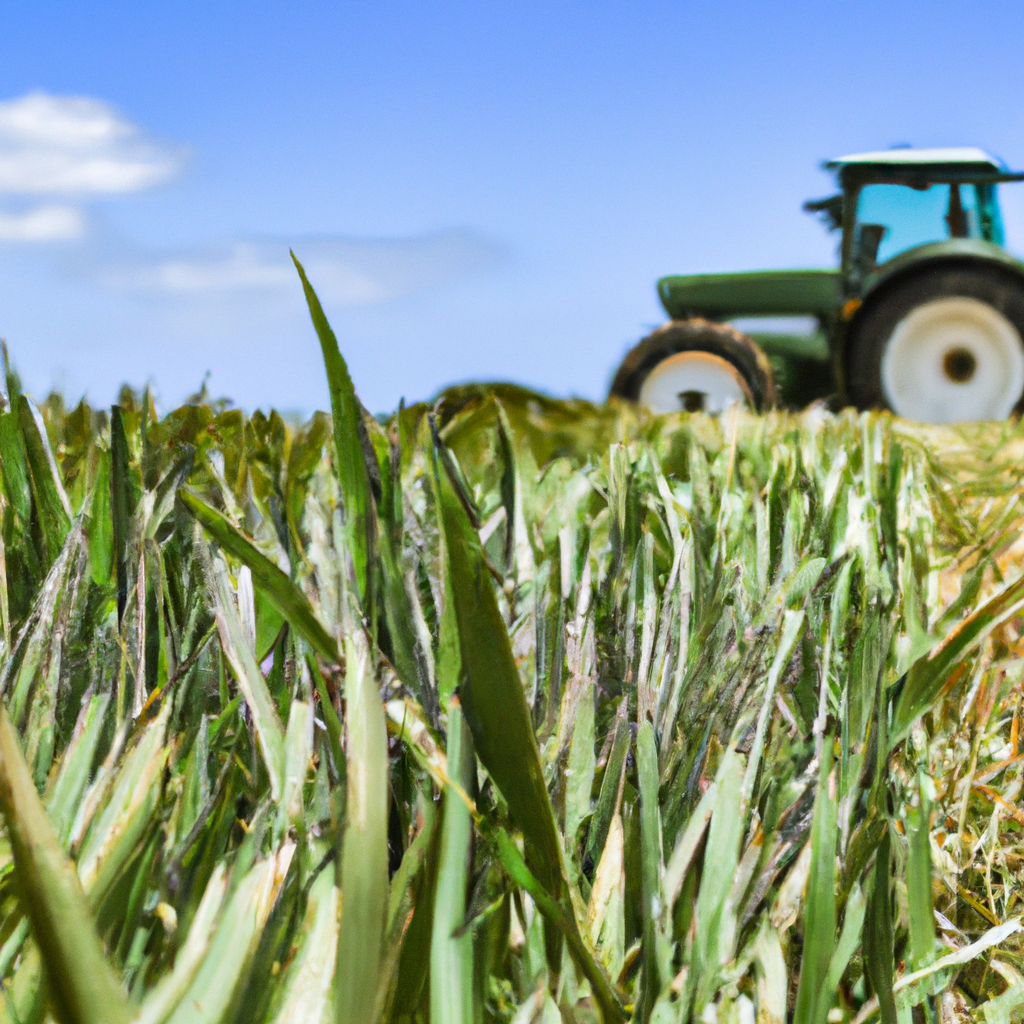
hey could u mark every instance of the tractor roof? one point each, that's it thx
(967, 157)
(919, 166)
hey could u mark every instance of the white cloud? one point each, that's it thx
(43, 224)
(343, 271)
(75, 145)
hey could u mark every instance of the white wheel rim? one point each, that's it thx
(693, 382)
(953, 360)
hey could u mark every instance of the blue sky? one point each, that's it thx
(480, 190)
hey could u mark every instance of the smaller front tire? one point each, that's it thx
(695, 366)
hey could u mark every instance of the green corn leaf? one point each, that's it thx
(580, 768)
(720, 862)
(165, 492)
(14, 464)
(492, 693)
(25, 998)
(350, 464)
(83, 988)
(283, 594)
(306, 991)
(331, 720)
(364, 848)
(221, 976)
(115, 834)
(168, 992)
(932, 671)
(849, 939)
(101, 536)
(401, 620)
(512, 861)
(250, 679)
(451, 951)
(52, 505)
(298, 749)
(919, 878)
(878, 935)
(813, 999)
(687, 844)
(605, 921)
(657, 957)
(406, 900)
(418, 897)
(609, 795)
(73, 775)
(122, 503)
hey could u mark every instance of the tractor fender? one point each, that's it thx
(892, 275)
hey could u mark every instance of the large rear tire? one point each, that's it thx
(695, 366)
(945, 346)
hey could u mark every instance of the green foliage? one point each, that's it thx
(507, 709)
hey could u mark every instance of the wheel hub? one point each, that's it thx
(694, 382)
(959, 365)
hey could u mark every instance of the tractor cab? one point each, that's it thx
(894, 202)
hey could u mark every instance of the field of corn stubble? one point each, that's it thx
(506, 709)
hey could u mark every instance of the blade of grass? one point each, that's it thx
(930, 673)
(298, 749)
(225, 967)
(14, 462)
(83, 988)
(720, 862)
(250, 679)
(306, 990)
(512, 861)
(52, 504)
(163, 997)
(657, 958)
(451, 954)
(282, 593)
(919, 878)
(122, 503)
(878, 935)
(579, 780)
(331, 720)
(134, 795)
(364, 847)
(350, 464)
(101, 537)
(406, 899)
(492, 693)
(849, 939)
(813, 999)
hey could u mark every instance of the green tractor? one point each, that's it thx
(925, 315)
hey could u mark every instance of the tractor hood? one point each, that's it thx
(753, 293)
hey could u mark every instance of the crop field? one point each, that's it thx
(508, 709)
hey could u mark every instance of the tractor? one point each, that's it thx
(924, 316)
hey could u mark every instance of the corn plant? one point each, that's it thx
(507, 709)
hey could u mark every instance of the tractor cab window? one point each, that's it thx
(1011, 210)
(892, 218)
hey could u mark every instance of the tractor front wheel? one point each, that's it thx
(695, 366)
(946, 346)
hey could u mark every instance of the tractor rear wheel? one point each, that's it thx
(695, 366)
(943, 347)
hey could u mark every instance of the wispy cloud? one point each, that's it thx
(345, 271)
(76, 145)
(43, 224)
(79, 148)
